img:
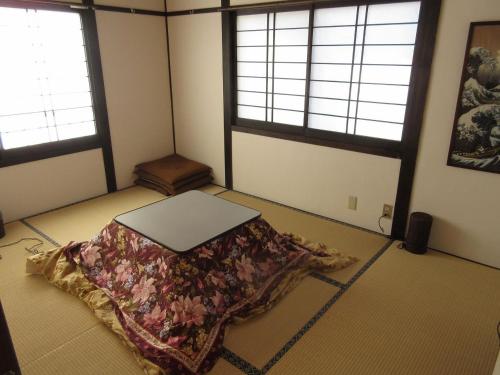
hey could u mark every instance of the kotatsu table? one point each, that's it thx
(188, 220)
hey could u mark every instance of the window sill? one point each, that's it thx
(47, 150)
(367, 145)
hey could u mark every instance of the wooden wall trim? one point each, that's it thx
(170, 80)
(421, 72)
(53, 4)
(98, 93)
(228, 81)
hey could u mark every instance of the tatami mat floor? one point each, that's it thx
(391, 313)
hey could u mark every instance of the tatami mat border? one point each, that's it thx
(225, 188)
(328, 280)
(37, 231)
(323, 310)
(239, 362)
(368, 264)
(249, 369)
(309, 213)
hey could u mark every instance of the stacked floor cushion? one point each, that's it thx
(173, 174)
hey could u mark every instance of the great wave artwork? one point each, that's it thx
(475, 142)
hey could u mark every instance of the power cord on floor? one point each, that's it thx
(380, 224)
(498, 332)
(32, 249)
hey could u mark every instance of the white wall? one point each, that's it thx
(176, 5)
(138, 4)
(196, 62)
(243, 2)
(315, 178)
(135, 66)
(29, 188)
(465, 203)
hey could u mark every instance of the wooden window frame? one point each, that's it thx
(102, 138)
(353, 142)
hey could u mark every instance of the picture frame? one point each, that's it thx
(475, 139)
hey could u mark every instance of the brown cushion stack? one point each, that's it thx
(173, 174)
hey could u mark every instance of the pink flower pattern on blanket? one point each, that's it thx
(142, 290)
(174, 307)
(245, 269)
(155, 317)
(91, 255)
(123, 271)
(188, 312)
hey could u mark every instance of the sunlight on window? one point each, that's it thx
(44, 92)
(360, 65)
(281, 57)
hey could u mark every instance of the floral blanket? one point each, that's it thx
(171, 309)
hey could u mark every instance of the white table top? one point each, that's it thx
(188, 220)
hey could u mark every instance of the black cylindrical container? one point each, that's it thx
(418, 232)
(2, 228)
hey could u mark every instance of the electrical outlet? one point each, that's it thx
(387, 211)
(352, 203)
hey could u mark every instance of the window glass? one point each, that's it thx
(284, 54)
(360, 65)
(367, 64)
(45, 91)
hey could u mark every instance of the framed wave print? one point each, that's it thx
(475, 141)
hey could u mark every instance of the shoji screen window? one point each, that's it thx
(335, 73)
(272, 58)
(360, 68)
(45, 93)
